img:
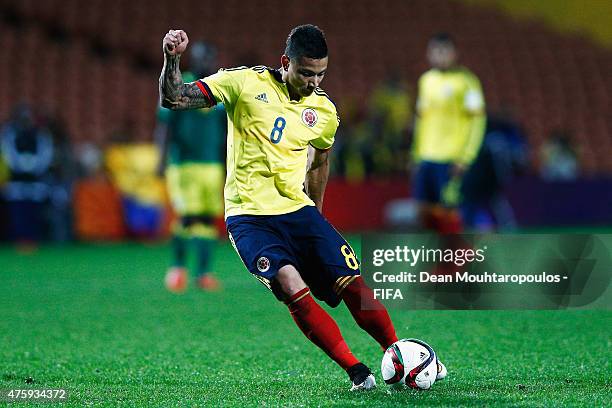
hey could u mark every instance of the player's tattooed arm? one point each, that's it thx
(173, 92)
(317, 175)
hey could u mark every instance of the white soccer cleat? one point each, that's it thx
(367, 384)
(441, 371)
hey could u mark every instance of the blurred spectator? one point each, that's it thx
(132, 167)
(28, 151)
(89, 158)
(559, 161)
(391, 110)
(4, 177)
(391, 100)
(502, 156)
(60, 178)
(372, 138)
(352, 150)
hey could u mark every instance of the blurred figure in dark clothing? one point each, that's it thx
(60, 178)
(28, 152)
(4, 177)
(502, 156)
(559, 161)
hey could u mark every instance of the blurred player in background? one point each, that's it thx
(192, 144)
(281, 126)
(27, 149)
(449, 127)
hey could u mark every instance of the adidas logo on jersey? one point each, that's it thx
(262, 97)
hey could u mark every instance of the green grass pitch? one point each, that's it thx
(96, 320)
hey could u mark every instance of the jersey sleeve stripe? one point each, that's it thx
(207, 92)
(240, 68)
(321, 92)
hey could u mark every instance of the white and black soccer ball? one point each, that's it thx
(409, 363)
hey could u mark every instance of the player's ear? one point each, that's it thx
(285, 62)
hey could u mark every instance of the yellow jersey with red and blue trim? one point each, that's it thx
(267, 139)
(450, 121)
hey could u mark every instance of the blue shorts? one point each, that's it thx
(304, 239)
(429, 181)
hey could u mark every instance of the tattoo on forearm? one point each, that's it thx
(170, 80)
(175, 94)
(192, 97)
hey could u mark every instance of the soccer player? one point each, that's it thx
(193, 142)
(281, 126)
(449, 128)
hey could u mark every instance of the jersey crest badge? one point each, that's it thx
(309, 117)
(263, 264)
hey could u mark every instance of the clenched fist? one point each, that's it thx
(175, 42)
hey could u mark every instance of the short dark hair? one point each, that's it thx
(306, 41)
(442, 38)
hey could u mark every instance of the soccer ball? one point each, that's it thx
(409, 363)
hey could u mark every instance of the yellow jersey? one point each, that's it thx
(450, 119)
(132, 168)
(267, 139)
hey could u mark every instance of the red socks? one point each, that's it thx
(369, 313)
(320, 328)
(323, 331)
(443, 220)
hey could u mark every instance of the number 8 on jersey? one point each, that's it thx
(277, 130)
